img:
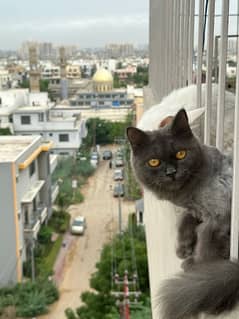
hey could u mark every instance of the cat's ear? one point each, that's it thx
(136, 137)
(180, 124)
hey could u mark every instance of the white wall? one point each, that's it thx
(14, 98)
(39, 99)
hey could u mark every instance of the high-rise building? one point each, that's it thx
(34, 71)
(119, 50)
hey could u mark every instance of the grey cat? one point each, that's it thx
(173, 164)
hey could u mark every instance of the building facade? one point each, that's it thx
(25, 196)
(32, 114)
(9, 101)
(58, 126)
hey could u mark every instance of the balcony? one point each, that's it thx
(53, 162)
(37, 217)
(41, 212)
(32, 228)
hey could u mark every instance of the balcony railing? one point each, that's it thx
(32, 228)
(54, 192)
(178, 28)
(37, 217)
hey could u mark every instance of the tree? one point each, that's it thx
(100, 304)
(103, 131)
(25, 84)
(5, 131)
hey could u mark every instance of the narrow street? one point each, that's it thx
(101, 211)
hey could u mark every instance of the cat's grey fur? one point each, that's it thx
(201, 184)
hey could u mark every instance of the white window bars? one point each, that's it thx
(183, 26)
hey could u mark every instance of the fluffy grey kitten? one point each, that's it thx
(173, 164)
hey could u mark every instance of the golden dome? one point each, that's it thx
(102, 75)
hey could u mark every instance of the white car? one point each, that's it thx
(78, 225)
(118, 174)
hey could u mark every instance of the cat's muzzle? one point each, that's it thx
(170, 170)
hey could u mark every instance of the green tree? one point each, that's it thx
(104, 132)
(44, 85)
(118, 253)
(25, 84)
(5, 131)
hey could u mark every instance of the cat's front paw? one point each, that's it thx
(184, 251)
(188, 263)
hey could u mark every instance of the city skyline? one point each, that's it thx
(88, 24)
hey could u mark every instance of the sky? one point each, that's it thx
(87, 23)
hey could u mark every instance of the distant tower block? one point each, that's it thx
(34, 72)
(63, 62)
(64, 81)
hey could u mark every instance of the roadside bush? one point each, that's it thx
(66, 170)
(30, 298)
(50, 291)
(44, 235)
(84, 168)
(77, 197)
(70, 314)
(59, 221)
(34, 305)
(45, 264)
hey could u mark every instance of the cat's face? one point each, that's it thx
(164, 160)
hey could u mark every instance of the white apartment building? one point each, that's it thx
(51, 72)
(62, 127)
(9, 101)
(32, 114)
(25, 197)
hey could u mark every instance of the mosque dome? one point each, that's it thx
(102, 75)
(102, 81)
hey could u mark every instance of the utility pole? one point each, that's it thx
(126, 296)
(123, 297)
(120, 215)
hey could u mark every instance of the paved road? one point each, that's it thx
(101, 211)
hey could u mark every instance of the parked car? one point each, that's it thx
(118, 175)
(94, 159)
(118, 190)
(107, 154)
(119, 162)
(95, 155)
(78, 225)
(94, 162)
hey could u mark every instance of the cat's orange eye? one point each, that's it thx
(181, 155)
(154, 162)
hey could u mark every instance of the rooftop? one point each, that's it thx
(13, 146)
(32, 109)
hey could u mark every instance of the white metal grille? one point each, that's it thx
(182, 26)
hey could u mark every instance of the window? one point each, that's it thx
(63, 137)
(32, 168)
(41, 117)
(50, 134)
(25, 119)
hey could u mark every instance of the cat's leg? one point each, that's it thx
(213, 242)
(187, 236)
